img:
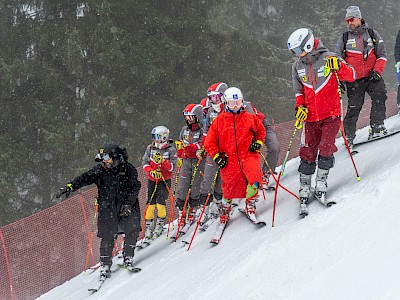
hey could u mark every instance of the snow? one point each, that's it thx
(348, 251)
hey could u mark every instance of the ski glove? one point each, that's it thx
(65, 190)
(332, 63)
(221, 160)
(158, 158)
(375, 76)
(255, 146)
(125, 211)
(156, 174)
(179, 145)
(301, 113)
(179, 162)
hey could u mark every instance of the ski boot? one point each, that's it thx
(321, 185)
(265, 181)
(105, 272)
(128, 261)
(148, 231)
(159, 228)
(215, 208)
(206, 215)
(191, 215)
(377, 132)
(304, 193)
(226, 206)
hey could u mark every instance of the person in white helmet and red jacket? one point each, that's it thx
(158, 162)
(189, 145)
(234, 140)
(363, 48)
(315, 78)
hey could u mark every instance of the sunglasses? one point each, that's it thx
(349, 20)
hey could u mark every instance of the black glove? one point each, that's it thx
(255, 146)
(375, 76)
(125, 211)
(221, 160)
(65, 190)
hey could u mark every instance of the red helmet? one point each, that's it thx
(217, 88)
(205, 103)
(194, 110)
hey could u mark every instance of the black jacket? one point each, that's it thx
(397, 48)
(116, 186)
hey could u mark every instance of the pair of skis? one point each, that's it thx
(353, 152)
(320, 197)
(221, 228)
(101, 281)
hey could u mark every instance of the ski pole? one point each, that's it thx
(90, 246)
(297, 125)
(147, 206)
(342, 127)
(204, 207)
(188, 193)
(275, 179)
(171, 199)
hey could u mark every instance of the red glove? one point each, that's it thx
(190, 150)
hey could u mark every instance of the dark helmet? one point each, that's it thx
(112, 150)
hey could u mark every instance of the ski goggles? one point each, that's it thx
(234, 103)
(297, 51)
(105, 156)
(349, 20)
(190, 118)
(157, 136)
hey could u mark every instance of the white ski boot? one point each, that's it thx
(304, 193)
(321, 185)
(159, 228)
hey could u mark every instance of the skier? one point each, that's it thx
(118, 190)
(214, 94)
(158, 162)
(188, 146)
(233, 140)
(318, 103)
(397, 66)
(363, 48)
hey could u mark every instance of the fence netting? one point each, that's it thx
(50, 247)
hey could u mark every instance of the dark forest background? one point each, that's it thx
(74, 74)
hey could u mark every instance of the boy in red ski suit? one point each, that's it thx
(234, 140)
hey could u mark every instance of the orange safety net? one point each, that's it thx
(50, 247)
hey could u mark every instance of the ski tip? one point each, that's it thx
(329, 204)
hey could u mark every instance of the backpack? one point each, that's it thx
(371, 34)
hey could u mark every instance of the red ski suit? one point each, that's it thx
(232, 133)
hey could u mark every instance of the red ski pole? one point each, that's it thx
(204, 208)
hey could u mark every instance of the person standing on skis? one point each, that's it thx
(118, 191)
(363, 48)
(318, 104)
(158, 162)
(234, 140)
(188, 146)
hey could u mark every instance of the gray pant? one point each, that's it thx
(185, 176)
(209, 173)
(272, 144)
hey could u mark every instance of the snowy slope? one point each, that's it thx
(348, 251)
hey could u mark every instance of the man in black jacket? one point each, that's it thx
(397, 66)
(118, 190)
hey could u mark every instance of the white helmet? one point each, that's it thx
(301, 40)
(233, 98)
(160, 135)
